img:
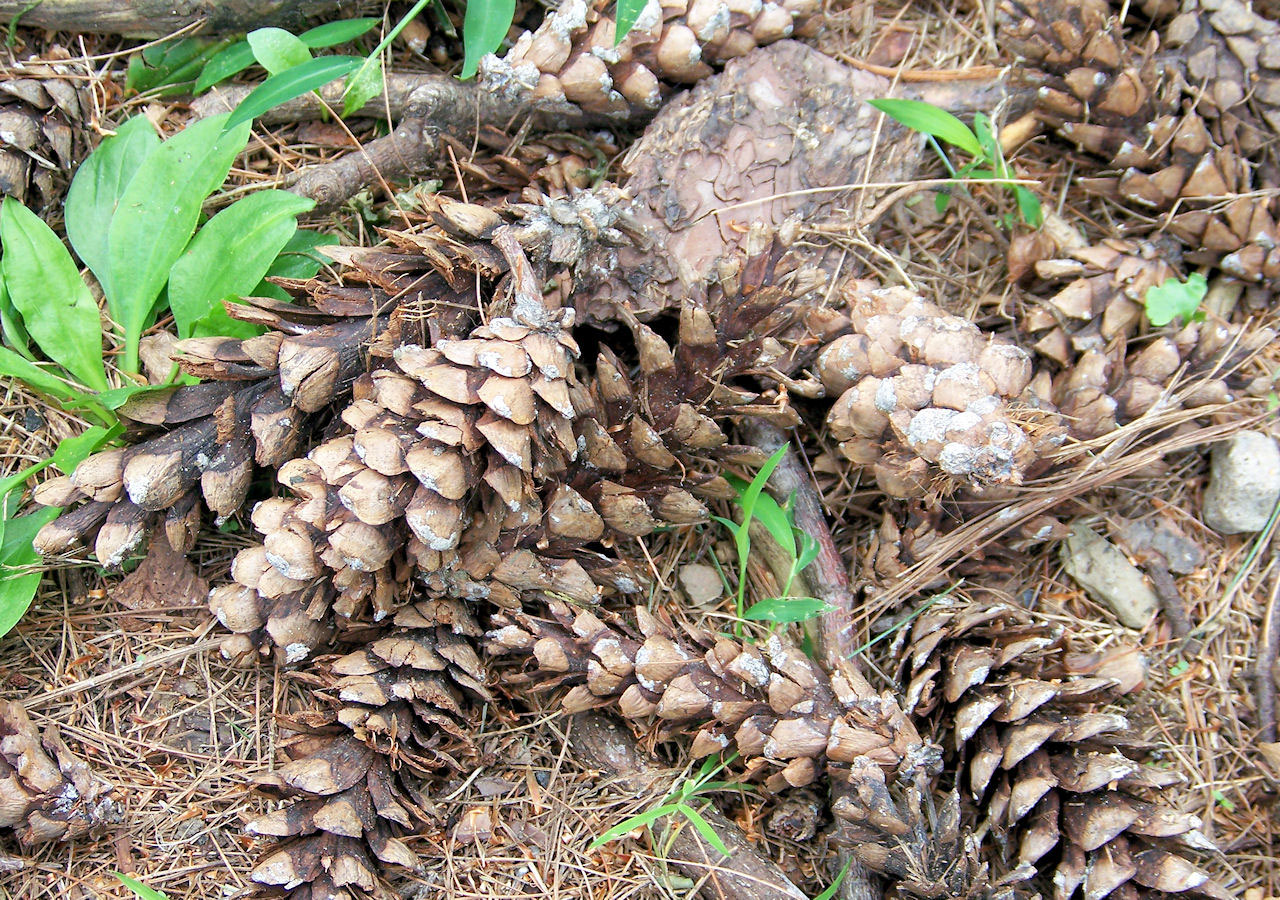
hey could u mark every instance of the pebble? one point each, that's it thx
(1108, 576)
(702, 584)
(1244, 483)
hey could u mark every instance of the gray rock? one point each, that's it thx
(702, 584)
(1244, 483)
(1109, 577)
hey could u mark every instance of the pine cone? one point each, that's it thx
(926, 398)
(40, 115)
(47, 799)
(1124, 103)
(1093, 303)
(573, 56)
(1053, 772)
(770, 702)
(403, 705)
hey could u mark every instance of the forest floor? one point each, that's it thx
(141, 693)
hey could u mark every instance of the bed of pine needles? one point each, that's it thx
(178, 730)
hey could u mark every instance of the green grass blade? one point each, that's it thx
(292, 83)
(929, 119)
(648, 817)
(628, 13)
(704, 827)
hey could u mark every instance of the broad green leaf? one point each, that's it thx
(339, 32)
(39, 379)
(929, 119)
(18, 584)
(291, 83)
(786, 610)
(224, 64)
(172, 63)
(45, 287)
(118, 397)
(157, 216)
(648, 817)
(146, 893)
(363, 85)
(15, 333)
(835, 885)
(1175, 299)
(73, 450)
(733, 526)
(11, 483)
(628, 12)
(276, 50)
(252, 231)
(96, 190)
(299, 258)
(748, 497)
(704, 827)
(483, 29)
(217, 323)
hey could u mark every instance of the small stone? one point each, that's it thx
(1109, 577)
(702, 584)
(1244, 483)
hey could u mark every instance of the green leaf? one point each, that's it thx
(648, 817)
(118, 397)
(339, 32)
(986, 136)
(218, 323)
(704, 827)
(45, 287)
(1175, 299)
(252, 231)
(785, 610)
(224, 64)
(483, 30)
(157, 216)
(929, 119)
(73, 450)
(776, 521)
(15, 333)
(18, 585)
(1028, 206)
(292, 83)
(276, 50)
(809, 550)
(96, 190)
(363, 85)
(748, 497)
(628, 12)
(299, 258)
(835, 885)
(172, 63)
(40, 379)
(146, 893)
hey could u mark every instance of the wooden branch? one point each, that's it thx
(743, 875)
(151, 18)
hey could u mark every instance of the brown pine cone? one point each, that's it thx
(927, 401)
(1053, 771)
(1125, 103)
(573, 56)
(46, 794)
(772, 704)
(40, 116)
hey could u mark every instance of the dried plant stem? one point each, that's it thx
(1265, 673)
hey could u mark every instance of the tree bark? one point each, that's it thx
(151, 18)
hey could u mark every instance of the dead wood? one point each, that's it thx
(148, 18)
(743, 875)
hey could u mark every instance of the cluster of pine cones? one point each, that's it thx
(462, 473)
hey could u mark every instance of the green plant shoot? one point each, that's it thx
(1176, 299)
(980, 142)
(680, 801)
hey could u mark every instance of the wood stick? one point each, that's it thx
(153, 18)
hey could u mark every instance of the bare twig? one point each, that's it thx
(148, 18)
(1265, 673)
